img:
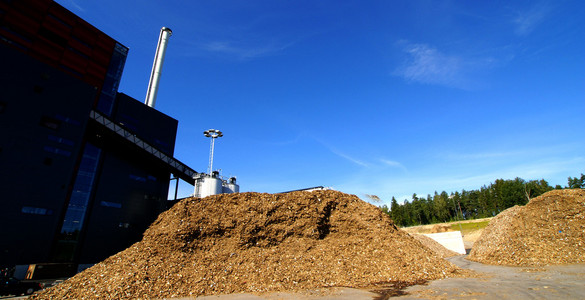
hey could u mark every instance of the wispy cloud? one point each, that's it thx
(484, 155)
(258, 37)
(288, 142)
(429, 65)
(426, 64)
(245, 50)
(526, 21)
(456, 171)
(530, 170)
(377, 164)
(393, 164)
(519, 153)
(76, 5)
(425, 182)
(341, 154)
(349, 158)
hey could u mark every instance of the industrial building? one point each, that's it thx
(84, 170)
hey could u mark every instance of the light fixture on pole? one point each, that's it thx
(213, 134)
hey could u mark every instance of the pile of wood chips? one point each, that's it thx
(252, 242)
(441, 228)
(439, 249)
(549, 230)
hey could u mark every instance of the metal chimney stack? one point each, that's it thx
(159, 58)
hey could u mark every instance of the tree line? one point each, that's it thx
(485, 202)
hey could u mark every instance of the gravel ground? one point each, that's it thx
(503, 282)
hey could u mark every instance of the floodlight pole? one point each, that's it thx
(211, 148)
(213, 134)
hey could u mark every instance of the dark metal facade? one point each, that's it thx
(83, 169)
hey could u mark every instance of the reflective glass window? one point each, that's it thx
(82, 187)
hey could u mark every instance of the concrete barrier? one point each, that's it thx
(452, 240)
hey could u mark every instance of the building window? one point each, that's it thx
(124, 225)
(56, 150)
(75, 215)
(111, 204)
(50, 123)
(137, 178)
(83, 42)
(128, 121)
(18, 34)
(61, 140)
(72, 71)
(2, 106)
(36, 211)
(112, 80)
(78, 202)
(53, 37)
(67, 120)
(52, 16)
(79, 53)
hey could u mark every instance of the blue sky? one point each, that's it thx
(387, 98)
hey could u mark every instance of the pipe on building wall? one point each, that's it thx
(159, 57)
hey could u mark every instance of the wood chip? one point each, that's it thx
(253, 243)
(549, 230)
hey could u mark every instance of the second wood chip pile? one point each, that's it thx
(252, 242)
(549, 230)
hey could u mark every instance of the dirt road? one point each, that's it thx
(498, 282)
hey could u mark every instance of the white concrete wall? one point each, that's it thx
(452, 240)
